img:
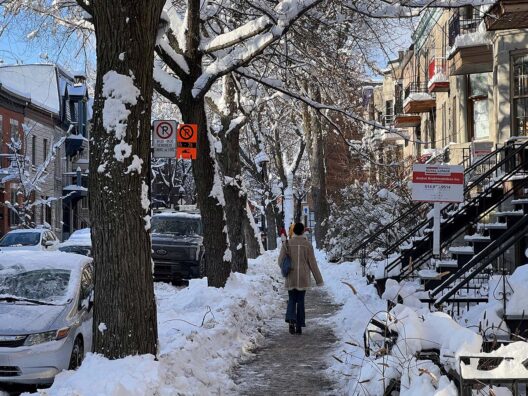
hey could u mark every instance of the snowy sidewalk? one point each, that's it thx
(291, 364)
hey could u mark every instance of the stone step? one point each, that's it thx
(461, 250)
(492, 226)
(477, 238)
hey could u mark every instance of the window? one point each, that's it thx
(13, 214)
(84, 203)
(47, 213)
(478, 106)
(14, 130)
(45, 148)
(520, 95)
(34, 150)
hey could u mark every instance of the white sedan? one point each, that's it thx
(29, 239)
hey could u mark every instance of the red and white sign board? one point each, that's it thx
(480, 149)
(438, 183)
(164, 138)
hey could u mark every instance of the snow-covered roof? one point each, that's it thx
(37, 83)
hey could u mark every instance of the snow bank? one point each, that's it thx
(418, 330)
(517, 304)
(203, 332)
(133, 375)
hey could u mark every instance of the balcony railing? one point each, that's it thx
(415, 87)
(459, 25)
(438, 75)
(388, 119)
(437, 66)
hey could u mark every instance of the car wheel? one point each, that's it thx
(77, 354)
(202, 267)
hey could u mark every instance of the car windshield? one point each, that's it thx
(176, 225)
(47, 285)
(20, 239)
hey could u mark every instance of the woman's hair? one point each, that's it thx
(298, 228)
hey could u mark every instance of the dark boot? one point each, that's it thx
(298, 330)
(292, 328)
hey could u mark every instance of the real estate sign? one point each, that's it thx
(438, 183)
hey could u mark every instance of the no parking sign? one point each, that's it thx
(164, 138)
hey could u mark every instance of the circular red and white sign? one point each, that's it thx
(164, 130)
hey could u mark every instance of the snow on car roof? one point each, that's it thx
(80, 237)
(45, 260)
(22, 230)
(178, 214)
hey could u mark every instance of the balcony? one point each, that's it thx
(75, 185)
(507, 14)
(75, 143)
(439, 76)
(407, 120)
(471, 50)
(418, 99)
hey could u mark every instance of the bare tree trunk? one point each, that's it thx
(272, 227)
(298, 210)
(215, 241)
(205, 170)
(125, 309)
(252, 247)
(235, 197)
(315, 142)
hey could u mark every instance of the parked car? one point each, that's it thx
(46, 310)
(79, 242)
(29, 239)
(177, 246)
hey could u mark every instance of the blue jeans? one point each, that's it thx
(295, 310)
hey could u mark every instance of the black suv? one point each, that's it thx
(177, 246)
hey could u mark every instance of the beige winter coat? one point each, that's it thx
(303, 262)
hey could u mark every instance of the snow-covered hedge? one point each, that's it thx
(359, 211)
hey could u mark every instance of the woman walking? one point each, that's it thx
(303, 261)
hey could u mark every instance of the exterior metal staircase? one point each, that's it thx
(460, 276)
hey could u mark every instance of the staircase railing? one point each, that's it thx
(419, 261)
(452, 210)
(484, 257)
(411, 213)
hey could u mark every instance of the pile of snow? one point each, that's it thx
(512, 367)
(418, 330)
(417, 96)
(203, 332)
(518, 281)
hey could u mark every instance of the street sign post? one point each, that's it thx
(438, 184)
(187, 137)
(164, 138)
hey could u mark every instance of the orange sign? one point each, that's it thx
(186, 137)
(185, 153)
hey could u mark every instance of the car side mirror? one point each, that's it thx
(49, 243)
(87, 303)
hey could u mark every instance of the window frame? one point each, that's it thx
(514, 98)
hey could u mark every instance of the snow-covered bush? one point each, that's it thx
(362, 209)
